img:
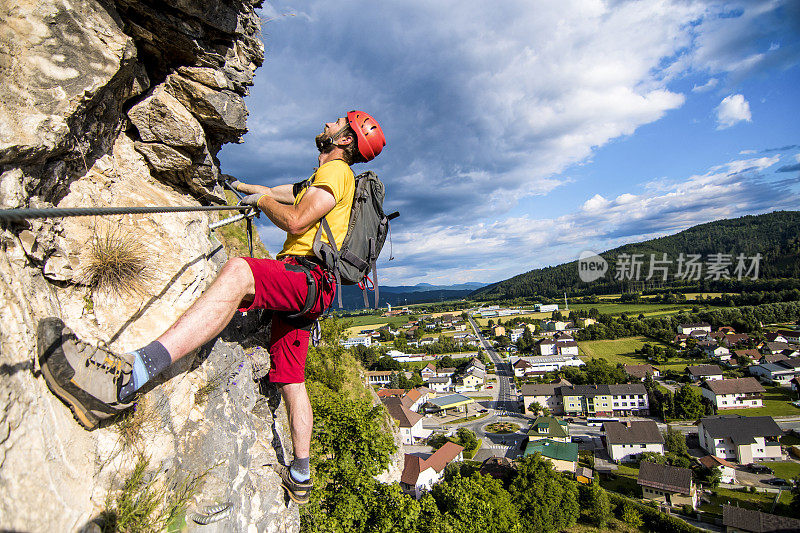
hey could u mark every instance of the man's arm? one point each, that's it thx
(296, 219)
(282, 193)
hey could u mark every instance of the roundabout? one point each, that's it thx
(502, 428)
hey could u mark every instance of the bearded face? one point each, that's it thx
(324, 143)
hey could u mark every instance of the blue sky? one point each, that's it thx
(522, 133)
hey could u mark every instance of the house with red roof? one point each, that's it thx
(726, 469)
(410, 423)
(419, 474)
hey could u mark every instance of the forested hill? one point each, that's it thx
(776, 236)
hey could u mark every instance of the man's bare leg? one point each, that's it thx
(301, 417)
(203, 321)
(211, 312)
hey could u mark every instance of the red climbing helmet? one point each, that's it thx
(369, 135)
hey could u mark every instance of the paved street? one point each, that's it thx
(502, 407)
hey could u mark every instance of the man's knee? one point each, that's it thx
(238, 273)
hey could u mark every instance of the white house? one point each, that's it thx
(667, 484)
(445, 372)
(781, 372)
(733, 393)
(546, 347)
(792, 336)
(686, 329)
(472, 380)
(726, 469)
(365, 340)
(567, 348)
(440, 384)
(704, 372)
(428, 372)
(411, 430)
(516, 334)
(545, 395)
(419, 475)
(521, 367)
(720, 353)
(627, 440)
(743, 439)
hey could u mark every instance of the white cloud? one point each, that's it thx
(707, 86)
(508, 247)
(595, 203)
(732, 110)
(484, 106)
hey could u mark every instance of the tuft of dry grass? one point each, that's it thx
(134, 425)
(115, 261)
(147, 504)
(214, 383)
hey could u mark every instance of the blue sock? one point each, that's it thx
(300, 469)
(148, 362)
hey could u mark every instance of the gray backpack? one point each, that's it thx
(352, 262)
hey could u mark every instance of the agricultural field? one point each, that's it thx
(622, 350)
(357, 323)
(611, 308)
(695, 295)
(632, 309)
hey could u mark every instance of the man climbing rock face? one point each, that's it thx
(97, 383)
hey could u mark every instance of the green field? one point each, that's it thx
(632, 309)
(776, 403)
(760, 501)
(787, 470)
(623, 480)
(622, 350)
(614, 309)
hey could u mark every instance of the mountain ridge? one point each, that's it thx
(775, 235)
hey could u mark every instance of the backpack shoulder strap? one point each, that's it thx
(331, 259)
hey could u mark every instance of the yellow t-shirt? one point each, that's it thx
(337, 178)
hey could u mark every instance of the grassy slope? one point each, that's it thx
(234, 236)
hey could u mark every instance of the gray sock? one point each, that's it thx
(300, 469)
(148, 362)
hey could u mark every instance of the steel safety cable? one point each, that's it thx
(60, 212)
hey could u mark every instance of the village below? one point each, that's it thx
(685, 413)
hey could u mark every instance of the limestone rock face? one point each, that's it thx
(221, 109)
(164, 158)
(57, 60)
(162, 118)
(89, 117)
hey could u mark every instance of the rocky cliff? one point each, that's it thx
(126, 103)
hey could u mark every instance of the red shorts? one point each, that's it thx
(282, 286)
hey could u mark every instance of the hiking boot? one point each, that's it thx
(87, 378)
(298, 491)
